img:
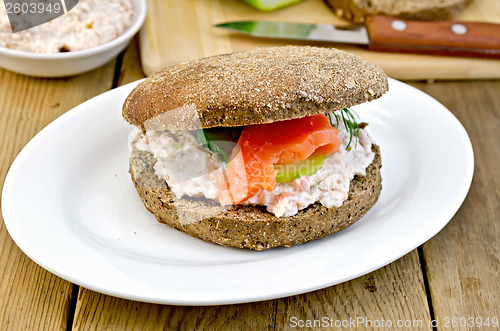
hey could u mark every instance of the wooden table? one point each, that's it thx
(453, 275)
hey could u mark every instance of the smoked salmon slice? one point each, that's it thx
(261, 146)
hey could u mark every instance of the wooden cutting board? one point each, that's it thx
(181, 30)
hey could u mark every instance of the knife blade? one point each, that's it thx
(388, 34)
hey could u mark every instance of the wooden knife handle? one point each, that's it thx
(453, 38)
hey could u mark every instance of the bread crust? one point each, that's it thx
(252, 227)
(252, 87)
(423, 10)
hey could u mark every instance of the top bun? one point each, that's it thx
(253, 87)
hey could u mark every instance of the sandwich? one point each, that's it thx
(257, 149)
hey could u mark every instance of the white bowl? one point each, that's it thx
(72, 63)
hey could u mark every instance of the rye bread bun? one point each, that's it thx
(251, 226)
(422, 10)
(244, 88)
(253, 87)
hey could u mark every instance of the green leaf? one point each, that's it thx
(350, 120)
(219, 140)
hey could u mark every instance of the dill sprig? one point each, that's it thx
(349, 119)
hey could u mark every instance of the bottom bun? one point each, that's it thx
(251, 226)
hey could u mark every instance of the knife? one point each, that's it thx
(388, 34)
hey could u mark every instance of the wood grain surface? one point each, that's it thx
(454, 274)
(463, 261)
(398, 286)
(177, 31)
(30, 297)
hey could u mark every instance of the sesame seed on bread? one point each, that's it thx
(246, 226)
(253, 87)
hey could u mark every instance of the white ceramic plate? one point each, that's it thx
(69, 204)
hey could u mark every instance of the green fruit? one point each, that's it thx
(270, 5)
(307, 167)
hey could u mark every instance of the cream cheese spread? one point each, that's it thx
(187, 167)
(89, 24)
(190, 169)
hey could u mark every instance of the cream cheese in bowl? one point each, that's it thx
(88, 36)
(91, 23)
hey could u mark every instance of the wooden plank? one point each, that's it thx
(96, 311)
(177, 31)
(463, 259)
(391, 294)
(398, 286)
(30, 297)
(184, 34)
(130, 70)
